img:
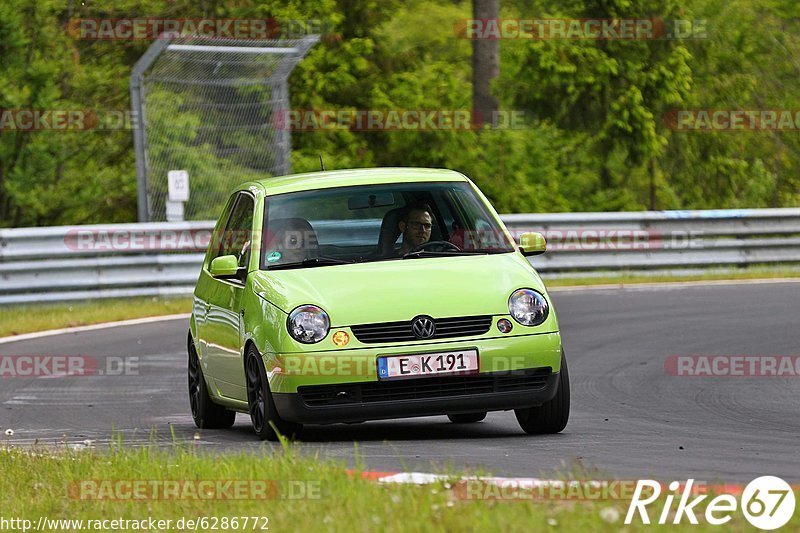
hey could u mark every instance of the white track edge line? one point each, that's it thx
(92, 327)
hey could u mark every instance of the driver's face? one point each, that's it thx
(417, 230)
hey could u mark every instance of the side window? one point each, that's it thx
(447, 207)
(219, 231)
(238, 234)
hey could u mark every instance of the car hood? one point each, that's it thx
(387, 291)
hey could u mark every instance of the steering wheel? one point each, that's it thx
(437, 246)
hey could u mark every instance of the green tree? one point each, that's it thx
(616, 91)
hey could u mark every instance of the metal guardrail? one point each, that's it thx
(664, 239)
(152, 259)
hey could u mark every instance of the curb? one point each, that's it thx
(528, 483)
(422, 478)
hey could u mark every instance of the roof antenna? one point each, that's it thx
(321, 163)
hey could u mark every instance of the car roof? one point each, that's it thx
(360, 176)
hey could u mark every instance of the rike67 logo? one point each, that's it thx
(767, 502)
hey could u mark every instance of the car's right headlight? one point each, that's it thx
(308, 324)
(528, 307)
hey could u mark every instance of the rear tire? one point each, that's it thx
(466, 418)
(263, 414)
(552, 416)
(206, 414)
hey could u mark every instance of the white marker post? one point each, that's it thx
(178, 194)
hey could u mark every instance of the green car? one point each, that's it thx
(355, 295)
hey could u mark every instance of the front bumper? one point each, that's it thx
(289, 372)
(356, 402)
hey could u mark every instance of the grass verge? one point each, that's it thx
(15, 320)
(303, 493)
(712, 275)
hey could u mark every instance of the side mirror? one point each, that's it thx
(224, 267)
(532, 243)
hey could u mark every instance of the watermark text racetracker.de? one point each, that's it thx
(371, 120)
(66, 120)
(56, 366)
(148, 490)
(732, 120)
(113, 239)
(339, 364)
(149, 28)
(732, 365)
(611, 239)
(599, 29)
(128, 239)
(509, 490)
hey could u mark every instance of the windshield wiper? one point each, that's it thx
(313, 261)
(443, 253)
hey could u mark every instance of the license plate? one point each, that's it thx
(428, 364)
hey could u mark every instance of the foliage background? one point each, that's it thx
(595, 138)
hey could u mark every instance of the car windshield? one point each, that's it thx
(378, 223)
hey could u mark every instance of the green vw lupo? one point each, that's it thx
(357, 295)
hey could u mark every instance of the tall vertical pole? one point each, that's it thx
(485, 65)
(283, 164)
(139, 125)
(139, 144)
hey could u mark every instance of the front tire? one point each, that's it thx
(206, 414)
(263, 414)
(552, 416)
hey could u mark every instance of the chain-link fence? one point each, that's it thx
(213, 108)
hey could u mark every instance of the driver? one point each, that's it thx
(415, 226)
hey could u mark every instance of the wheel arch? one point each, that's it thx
(249, 341)
(192, 325)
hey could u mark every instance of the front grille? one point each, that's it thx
(424, 388)
(461, 326)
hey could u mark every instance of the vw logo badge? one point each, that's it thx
(423, 327)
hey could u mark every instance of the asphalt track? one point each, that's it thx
(630, 418)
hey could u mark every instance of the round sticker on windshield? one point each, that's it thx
(273, 256)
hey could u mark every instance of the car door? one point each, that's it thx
(224, 315)
(206, 292)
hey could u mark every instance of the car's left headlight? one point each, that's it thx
(308, 324)
(528, 307)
